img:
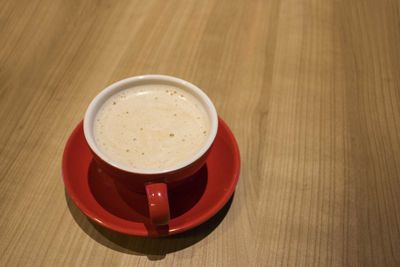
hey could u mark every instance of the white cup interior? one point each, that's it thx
(114, 88)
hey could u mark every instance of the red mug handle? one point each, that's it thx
(157, 197)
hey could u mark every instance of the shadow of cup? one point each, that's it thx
(155, 248)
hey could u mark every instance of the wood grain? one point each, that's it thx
(310, 88)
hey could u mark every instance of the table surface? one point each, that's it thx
(309, 88)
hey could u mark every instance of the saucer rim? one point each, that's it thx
(201, 218)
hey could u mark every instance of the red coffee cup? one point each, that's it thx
(154, 183)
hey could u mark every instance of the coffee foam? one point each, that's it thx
(151, 127)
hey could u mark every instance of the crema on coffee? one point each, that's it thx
(151, 127)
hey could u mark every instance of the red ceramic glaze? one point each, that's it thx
(139, 180)
(117, 205)
(157, 197)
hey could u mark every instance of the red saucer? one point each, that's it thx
(114, 206)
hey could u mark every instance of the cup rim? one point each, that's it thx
(110, 90)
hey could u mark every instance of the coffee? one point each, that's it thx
(151, 127)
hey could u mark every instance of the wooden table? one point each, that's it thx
(311, 90)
